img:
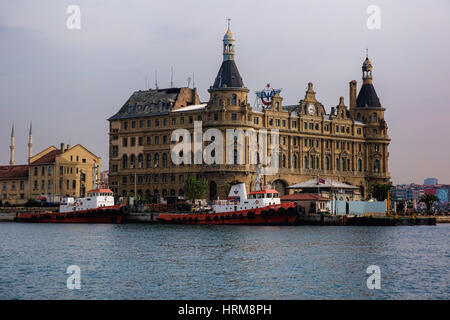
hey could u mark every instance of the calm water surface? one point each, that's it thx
(142, 261)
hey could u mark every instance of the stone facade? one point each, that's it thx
(67, 171)
(348, 144)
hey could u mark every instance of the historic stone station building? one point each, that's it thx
(348, 144)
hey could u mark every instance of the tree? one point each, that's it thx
(428, 199)
(195, 189)
(380, 191)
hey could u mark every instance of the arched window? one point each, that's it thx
(148, 161)
(164, 159)
(125, 161)
(343, 165)
(374, 117)
(132, 161)
(156, 162)
(284, 161)
(141, 161)
(234, 100)
(294, 161)
(327, 163)
(311, 162)
(277, 106)
(376, 166)
(359, 165)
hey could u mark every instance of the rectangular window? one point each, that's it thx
(233, 117)
(164, 139)
(256, 120)
(115, 168)
(283, 123)
(133, 124)
(125, 142)
(174, 121)
(49, 171)
(294, 124)
(156, 122)
(156, 139)
(166, 121)
(191, 119)
(43, 171)
(311, 126)
(133, 142)
(216, 117)
(140, 141)
(125, 125)
(83, 160)
(149, 140)
(358, 130)
(74, 184)
(22, 185)
(149, 123)
(277, 122)
(43, 185)
(141, 123)
(115, 151)
(305, 125)
(182, 120)
(61, 170)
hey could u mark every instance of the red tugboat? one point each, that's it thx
(97, 207)
(259, 208)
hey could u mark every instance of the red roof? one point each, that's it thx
(100, 191)
(48, 158)
(14, 172)
(264, 191)
(303, 197)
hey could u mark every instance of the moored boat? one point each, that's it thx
(261, 207)
(97, 207)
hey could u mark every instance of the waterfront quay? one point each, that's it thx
(8, 215)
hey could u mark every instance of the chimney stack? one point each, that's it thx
(68, 147)
(352, 85)
(62, 146)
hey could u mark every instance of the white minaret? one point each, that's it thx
(12, 147)
(30, 142)
(228, 44)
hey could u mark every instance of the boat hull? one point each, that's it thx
(112, 214)
(281, 214)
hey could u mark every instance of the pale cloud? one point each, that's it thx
(70, 82)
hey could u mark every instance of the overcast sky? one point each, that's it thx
(68, 82)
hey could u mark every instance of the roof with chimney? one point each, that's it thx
(14, 172)
(150, 102)
(367, 96)
(48, 158)
(228, 76)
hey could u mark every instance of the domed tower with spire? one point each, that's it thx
(228, 92)
(366, 108)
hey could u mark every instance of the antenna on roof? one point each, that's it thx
(189, 81)
(156, 79)
(367, 52)
(171, 77)
(193, 80)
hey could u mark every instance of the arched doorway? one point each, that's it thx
(212, 190)
(280, 186)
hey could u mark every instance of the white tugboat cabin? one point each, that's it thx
(95, 198)
(237, 199)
